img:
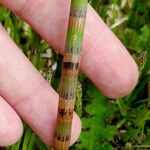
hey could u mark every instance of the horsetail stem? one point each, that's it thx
(69, 76)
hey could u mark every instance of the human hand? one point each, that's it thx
(105, 61)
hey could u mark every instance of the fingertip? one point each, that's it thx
(76, 129)
(130, 83)
(125, 79)
(12, 134)
(11, 127)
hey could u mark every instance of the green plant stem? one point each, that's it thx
(69, 76)
(27, 136)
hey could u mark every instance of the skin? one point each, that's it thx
(25, 93)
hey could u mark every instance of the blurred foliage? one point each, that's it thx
(122, 124)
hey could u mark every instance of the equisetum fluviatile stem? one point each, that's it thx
(69, 76)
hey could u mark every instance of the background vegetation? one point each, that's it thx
(107, 124)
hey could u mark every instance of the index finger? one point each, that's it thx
(105, 60)
(24, 88)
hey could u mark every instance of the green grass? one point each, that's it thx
(121, 128)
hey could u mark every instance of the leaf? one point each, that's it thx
(142, 117)
(138, 90)
(78, 105)
(131, 134)
(94, 127)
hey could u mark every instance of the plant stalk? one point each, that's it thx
(69, 76)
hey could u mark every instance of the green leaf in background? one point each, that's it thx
(96, 134)
(123, 124)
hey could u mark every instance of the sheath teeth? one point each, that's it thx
(69, 76)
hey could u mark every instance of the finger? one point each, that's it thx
(28, 93)
(10, 124)
(105, 60)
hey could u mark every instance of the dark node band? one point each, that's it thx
(70, 65)
(66, 95)
(74, 51)
(63, 139)
(78, 13)
(64, 112)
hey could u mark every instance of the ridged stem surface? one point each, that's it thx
(69, 76)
